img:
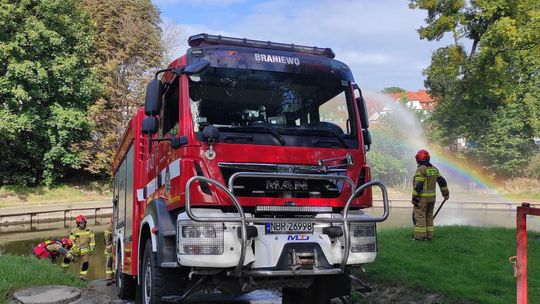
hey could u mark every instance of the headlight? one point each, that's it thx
(191, 232)
(363, 237)
(200, 238)
(363, 230)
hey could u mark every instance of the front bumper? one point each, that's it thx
(276, 252)
(265, 250)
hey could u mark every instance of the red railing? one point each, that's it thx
(520, 260)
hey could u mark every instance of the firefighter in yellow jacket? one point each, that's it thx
(108, 255)
(423, 196)
(83, 243)
(54, 248)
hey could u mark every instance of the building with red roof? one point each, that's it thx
(419, 100)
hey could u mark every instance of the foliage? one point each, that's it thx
(128, 50)
(490, 95)
(46, 84)
(17, 195)
(71, 75)
(26, 271)
(533, 167)
(464, 264)
(390, 90)
(389, 159)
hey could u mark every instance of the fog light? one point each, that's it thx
(200, 238)
(364, 248)
(363, 237)
(362, 230)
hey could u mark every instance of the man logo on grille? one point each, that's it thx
(286, 185)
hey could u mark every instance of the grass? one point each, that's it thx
(462, 264)
(525, 195)
(25, 271)
(73, 192)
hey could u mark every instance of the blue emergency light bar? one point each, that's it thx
(205, 39)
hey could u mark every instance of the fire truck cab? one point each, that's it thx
(245, 170)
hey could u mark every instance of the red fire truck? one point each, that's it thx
(245, 170)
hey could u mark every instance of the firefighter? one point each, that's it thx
(54, 248)
(83, 243)
(107, 235)
(423, 195)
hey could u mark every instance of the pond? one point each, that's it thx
(97, 260)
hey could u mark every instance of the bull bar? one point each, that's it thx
(242, 218)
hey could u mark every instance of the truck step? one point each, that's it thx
(169, 233)
(169, 265)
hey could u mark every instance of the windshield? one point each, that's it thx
(287, 103)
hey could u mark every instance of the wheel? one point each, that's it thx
(124, 283)
(157, 282)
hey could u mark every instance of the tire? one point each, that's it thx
(157, 282)
(124, 283)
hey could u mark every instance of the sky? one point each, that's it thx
(377, 39)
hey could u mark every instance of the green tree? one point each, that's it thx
(489, 94)
(390, 157)
(128, 49)
(46, 84)
(390, 90)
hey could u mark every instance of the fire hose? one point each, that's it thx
(439, 209)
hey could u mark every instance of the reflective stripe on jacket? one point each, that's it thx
(425, 183)
(47, 249)
(83, 240)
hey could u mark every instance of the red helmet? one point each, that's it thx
(80, 219)
(422, 155)
(66, 242)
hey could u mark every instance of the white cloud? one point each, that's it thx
(357, 58)
(377, 39)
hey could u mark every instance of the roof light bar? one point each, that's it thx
(205, 39)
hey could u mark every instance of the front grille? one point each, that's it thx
(281, 187)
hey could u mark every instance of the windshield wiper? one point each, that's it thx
(269, 130)
(322, 132)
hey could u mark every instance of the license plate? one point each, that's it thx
(280, 227)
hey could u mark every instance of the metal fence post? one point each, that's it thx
(31, 221)
(96, 211)
(521, 267)
(65, 218)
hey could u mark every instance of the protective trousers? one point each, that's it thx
(107, 235)
(85, 258)
(423, 220)
(108, 267)
(65, 263)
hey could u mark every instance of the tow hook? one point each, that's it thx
(297, 260)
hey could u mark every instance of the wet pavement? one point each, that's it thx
(255, 297)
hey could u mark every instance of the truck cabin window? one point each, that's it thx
(170, 110)
(285, 102)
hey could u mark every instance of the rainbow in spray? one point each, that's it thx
(466, 172)
(408, 136)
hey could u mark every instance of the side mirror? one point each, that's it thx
(196, 67)
(150, 125)
(210, 133)
(366, 136)
(152, 104)
(364, 119)
(177, 142)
